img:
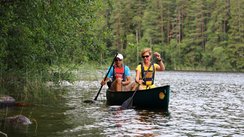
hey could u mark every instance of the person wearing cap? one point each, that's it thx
(119, 77)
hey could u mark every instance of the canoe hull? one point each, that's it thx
(156, 98)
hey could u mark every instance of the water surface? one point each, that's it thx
(201, 104)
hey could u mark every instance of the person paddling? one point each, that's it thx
(119, 77)
(147, 69)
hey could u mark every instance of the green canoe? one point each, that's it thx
(155, 98)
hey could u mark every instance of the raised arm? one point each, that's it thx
(161, 66)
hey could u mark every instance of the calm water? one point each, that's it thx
(201, 104)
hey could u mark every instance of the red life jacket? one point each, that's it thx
(119, 72)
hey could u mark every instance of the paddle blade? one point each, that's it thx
(128, 103)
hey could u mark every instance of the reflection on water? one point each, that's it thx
(132, 122)
(201, 104)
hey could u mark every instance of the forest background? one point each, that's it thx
(44, 40)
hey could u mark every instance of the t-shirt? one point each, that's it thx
(126, 71)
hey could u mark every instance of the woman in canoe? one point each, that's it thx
(145, 71)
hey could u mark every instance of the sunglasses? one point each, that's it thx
(145, 56)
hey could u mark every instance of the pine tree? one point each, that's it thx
(157, 21)
(235, 48)
(236, 34)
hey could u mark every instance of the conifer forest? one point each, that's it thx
(193, 35)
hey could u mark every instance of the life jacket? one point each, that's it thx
(118, 72)
(149, 78)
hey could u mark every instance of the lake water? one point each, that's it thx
(201, 104)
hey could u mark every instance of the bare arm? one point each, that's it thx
(127, 81)
(138, 77)
(103, 82)
(161, 66)
(160, 62)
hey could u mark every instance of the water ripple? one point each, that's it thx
(201, 104)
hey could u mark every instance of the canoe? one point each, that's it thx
(155, 98)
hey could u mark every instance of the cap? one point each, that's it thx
(120, 56)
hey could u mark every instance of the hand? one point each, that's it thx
(157, 55)
(103, 82)
(140, 82)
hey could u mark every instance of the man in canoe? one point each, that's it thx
(119, 77)
(145, 71)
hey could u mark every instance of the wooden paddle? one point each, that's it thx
(106, 76)
(129, 102)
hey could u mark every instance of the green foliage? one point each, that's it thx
(37, 35)
(235, 53)
(192, 35)
(221, 62)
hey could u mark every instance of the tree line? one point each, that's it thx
(191, 35)
(195, 35)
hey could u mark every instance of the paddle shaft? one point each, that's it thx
(127, 103)
(105, 77)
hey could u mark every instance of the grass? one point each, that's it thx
(29, 87)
